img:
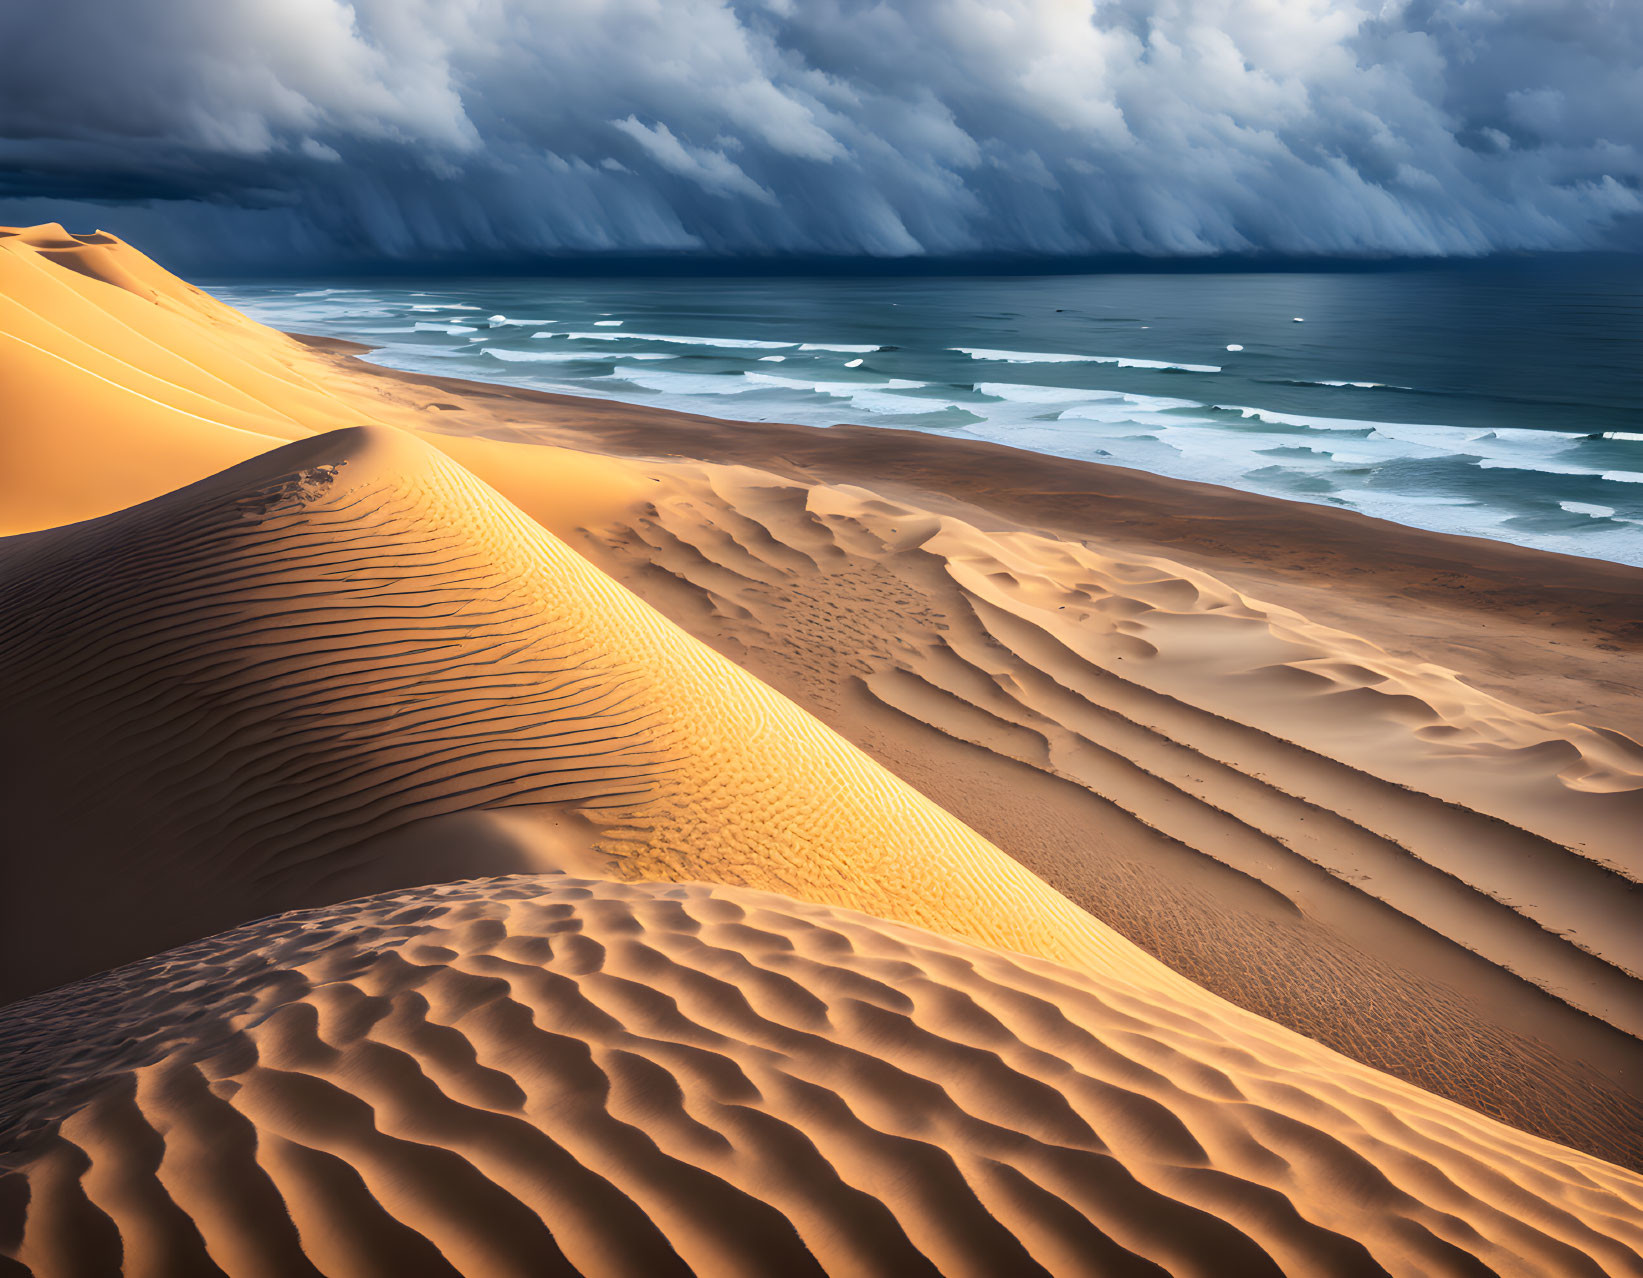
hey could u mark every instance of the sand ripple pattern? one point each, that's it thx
(547, 1074)
(262, 691)
(1391, 802)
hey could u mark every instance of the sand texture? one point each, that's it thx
(280, 675)
(1440, 831)
(550, 1074)
(123, 382)
(455, 830)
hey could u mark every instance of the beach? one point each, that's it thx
(1491, 400)
(502, 807)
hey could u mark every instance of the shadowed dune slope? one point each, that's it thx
(256, 693)
(550, 1074)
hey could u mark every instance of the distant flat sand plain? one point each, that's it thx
(452, 829)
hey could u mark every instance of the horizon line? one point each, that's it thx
(867, 266)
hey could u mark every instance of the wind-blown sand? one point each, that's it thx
(262, 676)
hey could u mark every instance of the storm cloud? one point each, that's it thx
(257, 132)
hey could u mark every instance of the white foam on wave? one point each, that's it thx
(1587, 508)
(1222, 457)
(535, 357)
(1539, 467)
(667, 383)
(424, 306)
(284, 313)
(411, 355)
(452, 330)
(1137, 408)
(1020, 393)
(502, 321)
(558, 357)
(1020, 357)
(1275, 418)
(1050, 357)
(607, 323)
(1544, 452)
(869, 398)
(732, 343)
(844, 350)
(1125, 362)
(889, 404)
(842, 389)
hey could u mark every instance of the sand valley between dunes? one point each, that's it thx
(452, 829)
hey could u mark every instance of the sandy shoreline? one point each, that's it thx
(471, 797)
(1433, 587)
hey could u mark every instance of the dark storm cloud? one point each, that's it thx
(313, 129)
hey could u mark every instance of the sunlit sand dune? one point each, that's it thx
(123, 382)
(1448, 882)
(251, 694)
(550, 1074)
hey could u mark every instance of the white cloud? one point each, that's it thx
(712, 170)
(322, 129)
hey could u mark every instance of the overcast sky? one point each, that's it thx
(255, 132)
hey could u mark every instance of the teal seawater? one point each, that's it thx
(1499, 399)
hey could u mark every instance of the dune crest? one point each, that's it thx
(123, 382)
(555, 1074)
(274, 672)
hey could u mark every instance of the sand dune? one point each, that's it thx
(123, 382)
(1097, 662)
(1459, 845)
(656, 1038)
(551, 1074)
(253, 693)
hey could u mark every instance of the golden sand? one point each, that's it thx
(727, 994)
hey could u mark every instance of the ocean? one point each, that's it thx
(1491, 399)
